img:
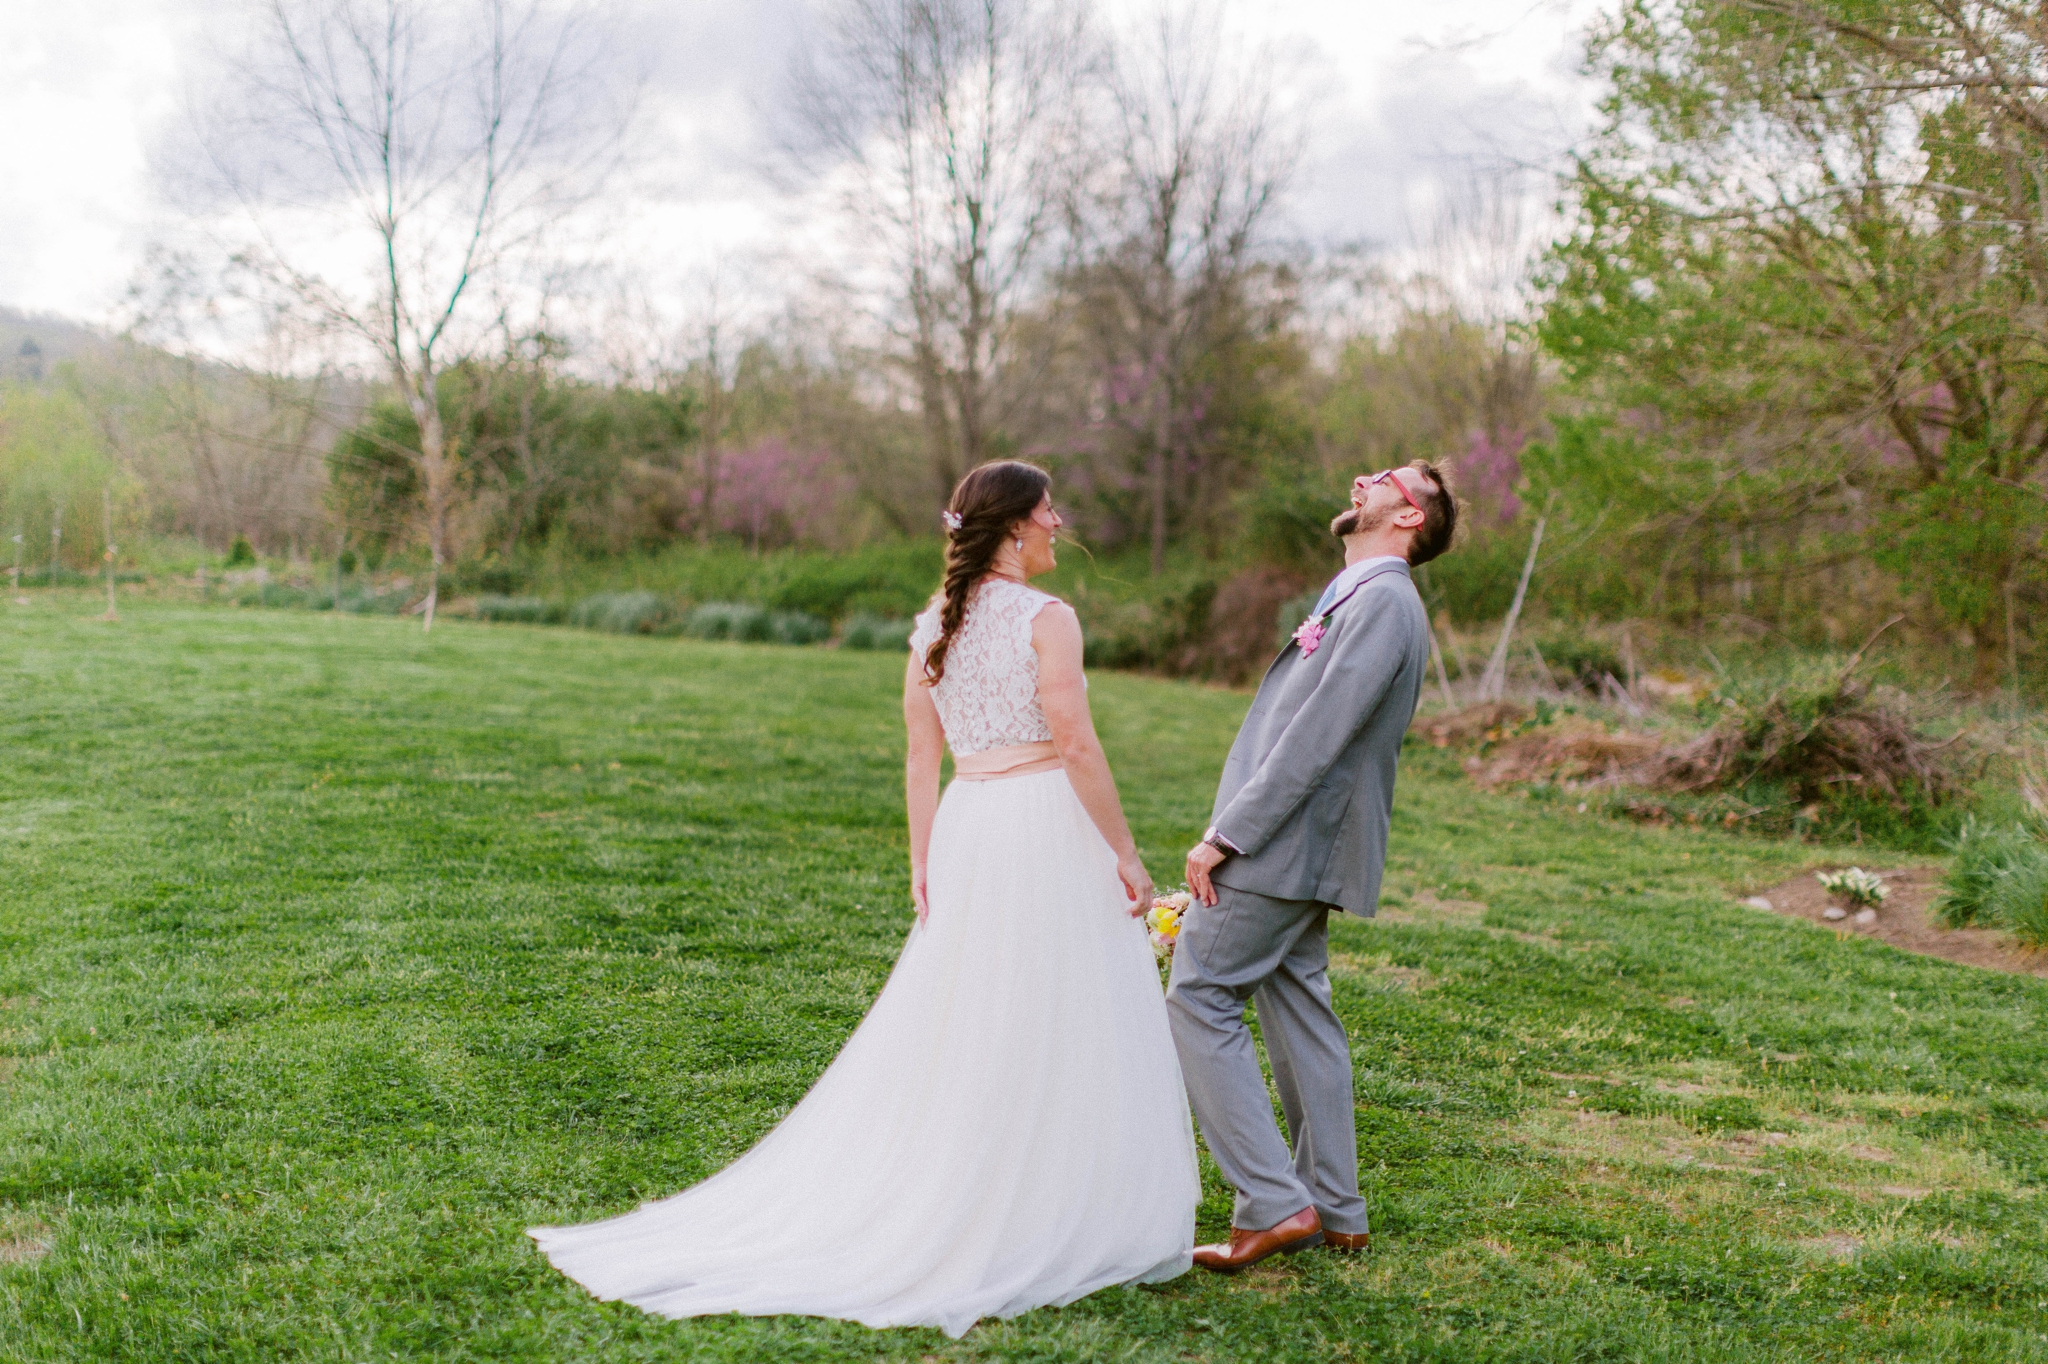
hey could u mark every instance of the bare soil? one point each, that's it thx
(1907, 921)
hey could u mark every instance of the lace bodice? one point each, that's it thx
(989, 695)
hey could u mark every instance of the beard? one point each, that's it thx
(1359, 521)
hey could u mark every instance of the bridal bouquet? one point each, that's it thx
(1162, 922)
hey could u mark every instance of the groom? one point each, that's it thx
(1301, 829)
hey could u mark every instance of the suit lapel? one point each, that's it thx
(1379, 572)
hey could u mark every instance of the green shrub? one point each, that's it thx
(47, 575)
(2019, 901)
(284, 597)
(877, 632)
(375, 603)
(754, 625)
(795, 627)
(241, 554)
(1293, 612)
(622, 613)
(883, 580)
(519, 610)
(1573, 657)
(497, 580)
(1984, 855)
(728, 620)
(1164, 631)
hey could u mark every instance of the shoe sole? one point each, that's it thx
(1308, 1242)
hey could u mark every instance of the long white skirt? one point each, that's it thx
(1006, 1129)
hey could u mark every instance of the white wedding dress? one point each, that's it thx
(1006, 1129)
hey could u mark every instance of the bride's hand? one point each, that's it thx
(920, 898)
(1130, 869)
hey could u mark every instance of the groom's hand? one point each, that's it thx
(1203, 859)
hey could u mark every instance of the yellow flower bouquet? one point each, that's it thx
(1162, 923)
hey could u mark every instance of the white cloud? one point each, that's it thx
(88, 87)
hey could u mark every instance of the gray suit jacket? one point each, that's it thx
(1308, 789)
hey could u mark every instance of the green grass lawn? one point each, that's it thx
(332, 956)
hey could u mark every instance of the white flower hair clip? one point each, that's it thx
(951, 518)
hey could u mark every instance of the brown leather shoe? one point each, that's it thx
(1344, 1240)
(1247, 1248)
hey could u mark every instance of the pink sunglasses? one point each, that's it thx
(1383, 475)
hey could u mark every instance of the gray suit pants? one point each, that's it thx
(1275, 953)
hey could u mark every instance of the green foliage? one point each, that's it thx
(55, 468)
(1576, 657)
(520, 610)
(893, 578)
(794, 627)
(728, 620)
(623, 613)
(1161, 630)
(241, 554)
(541, 454)
(754, 624)
(877, 632)
(2019, 902)
(1726, 323)
(440, 938)
(1997, 878)
(1982, 854)
(1811, 748)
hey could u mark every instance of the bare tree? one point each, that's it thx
(387, 165)
(1194, 155)
(950, 125)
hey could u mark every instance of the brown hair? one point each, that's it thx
(1439, 515)
(990, 500)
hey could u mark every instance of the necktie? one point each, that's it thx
(1329, 597)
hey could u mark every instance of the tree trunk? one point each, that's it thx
(1162, 434)
(437, 469)
(1988, 650)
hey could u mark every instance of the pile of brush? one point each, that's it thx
(1818, 752)
(1816, 744)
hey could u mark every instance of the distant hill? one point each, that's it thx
(32, 342)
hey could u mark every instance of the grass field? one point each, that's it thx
(331, 957)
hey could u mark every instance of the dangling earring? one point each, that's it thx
(1020, 544)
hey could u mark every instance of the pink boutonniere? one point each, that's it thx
(1309, 634)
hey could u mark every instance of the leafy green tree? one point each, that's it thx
(1807, 270)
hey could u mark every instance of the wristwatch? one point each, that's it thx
(1219, 842)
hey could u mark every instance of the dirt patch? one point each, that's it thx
(1906, 920)
(1571, 751)
(1836, 1246)
(22, 1243)
(1425, 908)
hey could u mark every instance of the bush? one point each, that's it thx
(284, 597)
(2019, 904)
(241, 554)
(1163, 632)
(1575, 658)
(374, 603)
(622, 613)
(753, 625)
(519, 610)
(48, 575)
(1822, 744)
(728, 620)
(877, 632)
(885, 580)
(1984, 855)
(497, 580)
(794, 627)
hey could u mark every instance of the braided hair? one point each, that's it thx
(985, 505)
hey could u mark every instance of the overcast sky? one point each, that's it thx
(1404, 92)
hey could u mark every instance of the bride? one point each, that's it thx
(1007, 1128)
